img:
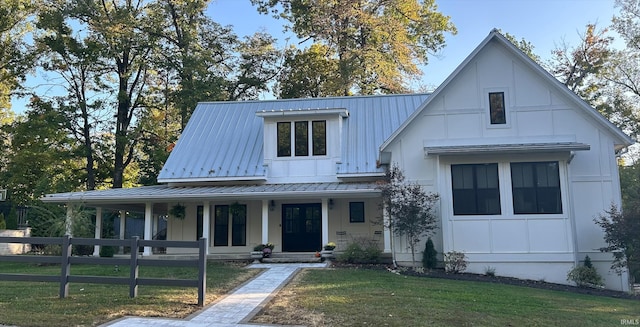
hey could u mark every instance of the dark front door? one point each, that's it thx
(301, 227)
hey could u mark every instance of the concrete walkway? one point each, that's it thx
(234, 309)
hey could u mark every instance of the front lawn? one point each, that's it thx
(362, 297)
(35, 304)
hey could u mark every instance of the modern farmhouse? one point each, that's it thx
(522, 166)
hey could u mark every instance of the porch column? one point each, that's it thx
(265, 221)
(68, 222)
(325, 221)
(123, 219)
(148, 215)
(386, 232)
(206, 223)
(98, 231)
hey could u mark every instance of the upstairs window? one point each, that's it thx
(476, 190)
(300, 139)
(284, 139)
(496, 108)
(536, 188)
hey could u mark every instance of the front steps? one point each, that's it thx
(289, 257)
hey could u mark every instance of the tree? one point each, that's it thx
(15, 56)
(524, 45)
(310, 72)
(126, 32)
(621, 234)
(410, 209)
(378, 44)
(78, 61)
(40, 159)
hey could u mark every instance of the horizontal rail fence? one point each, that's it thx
(134, 280)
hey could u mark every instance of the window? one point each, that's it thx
(221, 226)
(238, 225)
(301, 140)
(319, 137)
(199, 223)
(496, 108)
(475, 189)
(356, 212)
(284, 139)
(536, 188)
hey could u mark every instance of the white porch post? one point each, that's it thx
(148, 215)
(98, 231)
(265, 221)
(123, 219)
(206, 223)
(386, 231)
(325, 221)
(68, 222)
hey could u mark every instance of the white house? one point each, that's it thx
(522, 166)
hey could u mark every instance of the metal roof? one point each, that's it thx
(224, 140)
(194, 193)
(505, 148)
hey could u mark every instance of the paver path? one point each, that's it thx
(235, 308)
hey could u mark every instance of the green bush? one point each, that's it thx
(3, 223)
(357, 253)
(585, 275)
(107, 251)
(82, 249)
(429, 256)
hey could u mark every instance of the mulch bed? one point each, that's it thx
(440, 273)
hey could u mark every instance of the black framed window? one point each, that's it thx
(476, 189)
(356, 212)
(239, 226)
(199, 224)
(221, 226)
(319, 137)
(497, 108)
(536, 188)
(302, 138)
(284, 139)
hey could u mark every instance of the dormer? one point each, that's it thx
(302, 144)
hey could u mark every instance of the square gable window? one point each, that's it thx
(497, 108)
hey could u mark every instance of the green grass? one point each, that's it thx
(352, 297)
(37, 304)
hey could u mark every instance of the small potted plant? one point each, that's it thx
(266, 251)
(256, 254)
(327, 250)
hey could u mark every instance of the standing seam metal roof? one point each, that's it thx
(224, 140)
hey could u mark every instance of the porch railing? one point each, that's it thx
(134, 280)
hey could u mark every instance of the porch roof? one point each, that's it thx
(194, 193)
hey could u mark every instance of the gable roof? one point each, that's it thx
(622, 139)
(223, 141)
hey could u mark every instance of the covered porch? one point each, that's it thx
(297, 217)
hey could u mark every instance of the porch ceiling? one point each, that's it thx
(166, 193)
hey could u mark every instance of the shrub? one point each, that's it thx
(585, 275)
(107, 251)
(429, 256)
(357, 253)
(3, 223)
(490, 271)
(82, 249)
(455, 262)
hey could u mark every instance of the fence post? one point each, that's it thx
(202, 271)
(133, 276)
(65, 266)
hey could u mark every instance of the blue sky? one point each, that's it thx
(544, 23)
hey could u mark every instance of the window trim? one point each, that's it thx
(476, 190)
(506, 103)
(535, 187)
(294, 140)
